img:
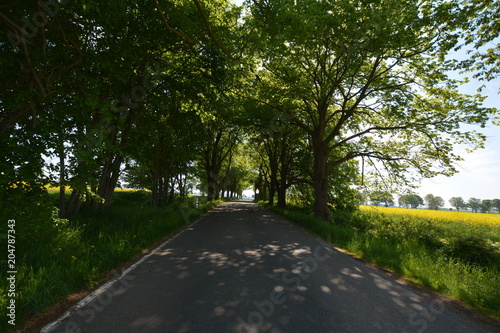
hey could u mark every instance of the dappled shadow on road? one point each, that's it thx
(380, 304)
(246, 270)
(229, 279)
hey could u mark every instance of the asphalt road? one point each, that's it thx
(243, 269)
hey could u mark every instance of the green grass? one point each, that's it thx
(86, 248)
(439, 256)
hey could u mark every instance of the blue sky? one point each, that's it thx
(479, 173)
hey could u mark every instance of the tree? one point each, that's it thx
(474, 204)
(217, 149)
(410, 200)
(486, 205)
(458, 203)
(35, 59)
(496, 204)
(78, 79)
(280, 147)
(351, 76)
(379, 197)
(434, 202)
(158, 162)
(78, 85)
(239, 175)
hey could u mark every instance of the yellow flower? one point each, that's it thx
(492, 220)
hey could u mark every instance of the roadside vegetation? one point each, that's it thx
(446, 253)
(59, 257)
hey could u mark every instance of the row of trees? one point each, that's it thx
(93, 91)
(307, 97)
(432, 202)
(342, 78)
(475, 204)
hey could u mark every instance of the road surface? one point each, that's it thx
(244, 269)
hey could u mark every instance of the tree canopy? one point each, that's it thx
(319, 93)
(352, 74)
(458, 203)
(434, 202)
(410, 200)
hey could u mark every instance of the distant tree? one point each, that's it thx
(486, 206)
(434, 202)
(382, 197)
(474, 204)
(411, 200)
(458, 203)
(403, 201)
(496, 204)
(363, 198)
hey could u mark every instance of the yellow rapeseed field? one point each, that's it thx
(53, 189)
(439, 215)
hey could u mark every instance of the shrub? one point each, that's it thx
(473, 249)
(132, 197)
(31, 207)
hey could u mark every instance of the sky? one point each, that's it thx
(479, 173)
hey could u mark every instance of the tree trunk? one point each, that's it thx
(264, 194)
(108, 181)
(282, 198)
(74, 204)
(320, 180)
(272, 192)
(282, 193)
(62, 180)
(217, 191)
(273, 181)
(171, 195)
(285, 163)
(112, 165)
(212, 188)
(182, 186)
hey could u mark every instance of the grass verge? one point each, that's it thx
(83, 250)
(415, 250)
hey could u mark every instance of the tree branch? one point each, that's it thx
(209, 30)
(20, 34)
(165, 22)
(369, 154)
(296, 121)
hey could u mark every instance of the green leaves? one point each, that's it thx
(80, 88)
(359, 79)
(473, 26)
(366, 80)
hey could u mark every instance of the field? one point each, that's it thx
(439, 215)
